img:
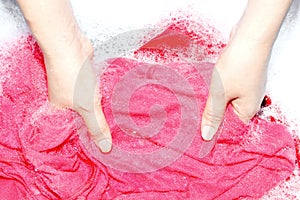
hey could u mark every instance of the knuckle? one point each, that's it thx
(94, 130)
(83, 106)
(217, 92)
(212, 116)
(97, 129)
(104, 129)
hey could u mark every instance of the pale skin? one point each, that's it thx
(66, 49)
(239, 76)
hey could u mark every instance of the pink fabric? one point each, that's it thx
(46, 153)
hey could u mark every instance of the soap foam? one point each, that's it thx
(101, 26)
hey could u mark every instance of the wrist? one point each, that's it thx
(253, 35)
(245, 54)
(74, 53)
(261, 21)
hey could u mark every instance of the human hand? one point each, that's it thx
(239, 76)
(72, 84)
(68, 58)
(239, 79)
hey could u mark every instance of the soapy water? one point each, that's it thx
(46, 165)
(282, 106)
(178, 43)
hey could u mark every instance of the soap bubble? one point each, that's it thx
(142, 75)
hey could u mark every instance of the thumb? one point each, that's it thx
(215, 108)
(98, 128)
(86, 103)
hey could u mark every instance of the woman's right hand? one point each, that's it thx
(239, 79)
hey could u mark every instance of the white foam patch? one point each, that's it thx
(12, 23)
(116, 16)
(284, 68)
(101, 20)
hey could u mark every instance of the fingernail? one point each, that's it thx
(105, 145)
(208, 132)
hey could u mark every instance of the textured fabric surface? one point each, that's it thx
(47, 154)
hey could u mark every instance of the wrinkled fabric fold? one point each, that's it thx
(47, 153)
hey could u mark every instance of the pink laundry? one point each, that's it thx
(47, 154)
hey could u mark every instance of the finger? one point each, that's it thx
(215, 108)
(87, 104)
(98, 128)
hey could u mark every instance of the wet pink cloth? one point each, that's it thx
(47, 154)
